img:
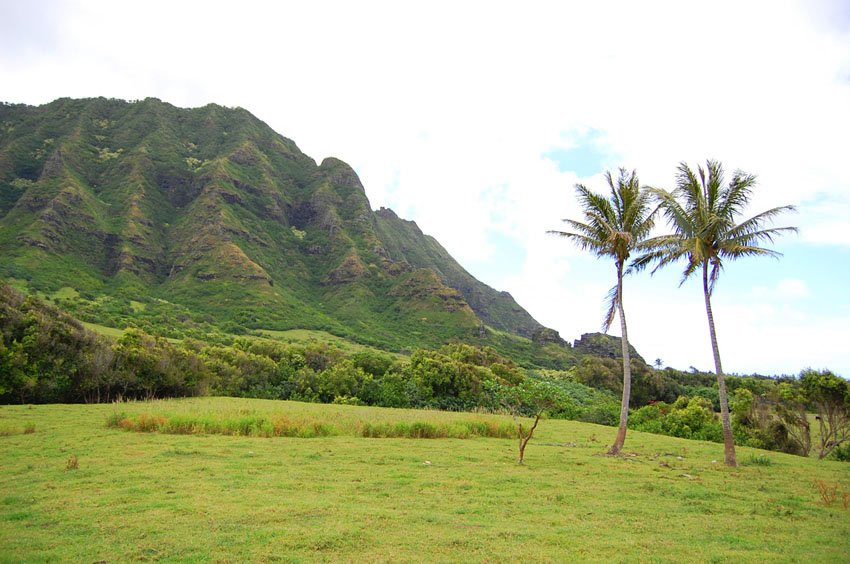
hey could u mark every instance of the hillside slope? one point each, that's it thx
(404, 241)
(210, 209)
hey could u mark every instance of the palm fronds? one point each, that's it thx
(703, 212)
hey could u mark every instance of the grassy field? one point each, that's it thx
(307, 336)
(296, 336)
(152, 496)
(103, 330)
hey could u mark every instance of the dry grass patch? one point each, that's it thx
(284, 425)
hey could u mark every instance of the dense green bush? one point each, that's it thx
(841, 453)
(755, 424)
(48, 356)
(688, 418)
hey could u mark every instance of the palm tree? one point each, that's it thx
(703, 213)
(614, 228)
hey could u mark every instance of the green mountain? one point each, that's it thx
(207, 217)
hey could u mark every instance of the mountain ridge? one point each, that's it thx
(142, 198)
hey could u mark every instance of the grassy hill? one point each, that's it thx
(186, 220)
(193, 497)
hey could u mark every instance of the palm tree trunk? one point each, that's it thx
(627, 368)
(728, 440)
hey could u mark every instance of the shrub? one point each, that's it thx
(688, 418)
(373, 363)
(428, 430)
(830, 395)
(828, 492)
(601, 414)
(115, 419)
(146, 423)
(758, 460)
(72, 463)
(841, 453)
(343, 379)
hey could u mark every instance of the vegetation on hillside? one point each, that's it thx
(47, 356)
(210, 221)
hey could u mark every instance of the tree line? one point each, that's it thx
(47, 356)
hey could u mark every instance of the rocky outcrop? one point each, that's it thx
(348, 271)
(606, 346)
(546, 336)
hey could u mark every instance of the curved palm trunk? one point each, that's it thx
(728, 440)
(627, 368)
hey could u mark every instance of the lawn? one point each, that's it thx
(151, 496)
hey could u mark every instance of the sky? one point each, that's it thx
(477, 120)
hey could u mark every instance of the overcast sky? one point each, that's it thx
(476, 120)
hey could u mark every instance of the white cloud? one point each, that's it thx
(787, 289)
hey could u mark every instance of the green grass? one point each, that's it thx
(306, 336)
(146, 496)
(7, 429)
(65, 293)
(103, 329)
(297, 336)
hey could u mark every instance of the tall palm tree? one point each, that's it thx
(613, 228)
(704, 212)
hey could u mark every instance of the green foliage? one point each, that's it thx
(137, 364)
(841, 453)
(560, 396)
(447, 378)
(688, 418)
(342, 380)
(648, 385)
(600, 373)
(758, 460)
(47, 356)
(830, 396)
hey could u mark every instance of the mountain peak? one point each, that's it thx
(211, 209)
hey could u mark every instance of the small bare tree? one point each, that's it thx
(531, 398)
(525, 436)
